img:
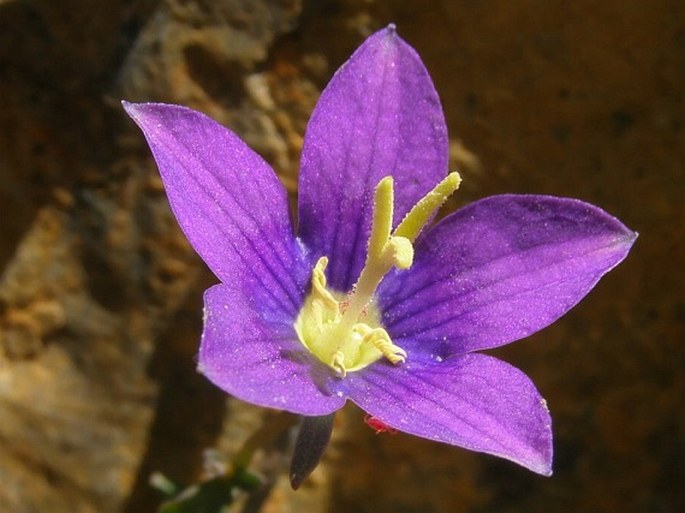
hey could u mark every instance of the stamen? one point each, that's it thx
(338, 363)
(418, 216)
(381, 340)
(319, 283)
(345, 332)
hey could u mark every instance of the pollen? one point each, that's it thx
(344, 331)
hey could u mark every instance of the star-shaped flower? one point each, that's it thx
(364, 300)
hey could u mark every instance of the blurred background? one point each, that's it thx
(100, 295)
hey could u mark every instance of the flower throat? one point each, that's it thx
(344, 331)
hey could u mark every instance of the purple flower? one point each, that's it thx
(364, 300)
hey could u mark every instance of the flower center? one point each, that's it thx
(345, 331)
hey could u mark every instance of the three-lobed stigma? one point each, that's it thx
(345, 331)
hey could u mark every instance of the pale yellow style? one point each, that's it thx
(344, 331)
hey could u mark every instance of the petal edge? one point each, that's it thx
(499, 270)
(226, 198)
(473, 401)
(258, 359)
(379, 115)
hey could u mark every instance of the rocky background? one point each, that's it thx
(100, 295)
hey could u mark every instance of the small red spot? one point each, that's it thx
(378, 425)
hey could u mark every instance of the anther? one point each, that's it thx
(338, 363)
(381, 341)
(319, 283)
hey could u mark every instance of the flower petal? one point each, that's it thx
(379, 116)
(498, 270)
(227, 200)
(473, 401)
(258, 358)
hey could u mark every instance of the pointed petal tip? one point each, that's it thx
(542, 465)
(538, 460)
(625, 239)
(133, 110)
(542, 469)
(128, 107)
(626, 236)
(629, 239)
(538, 457)
(632, 237)
(388, 36)
(138, 110)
